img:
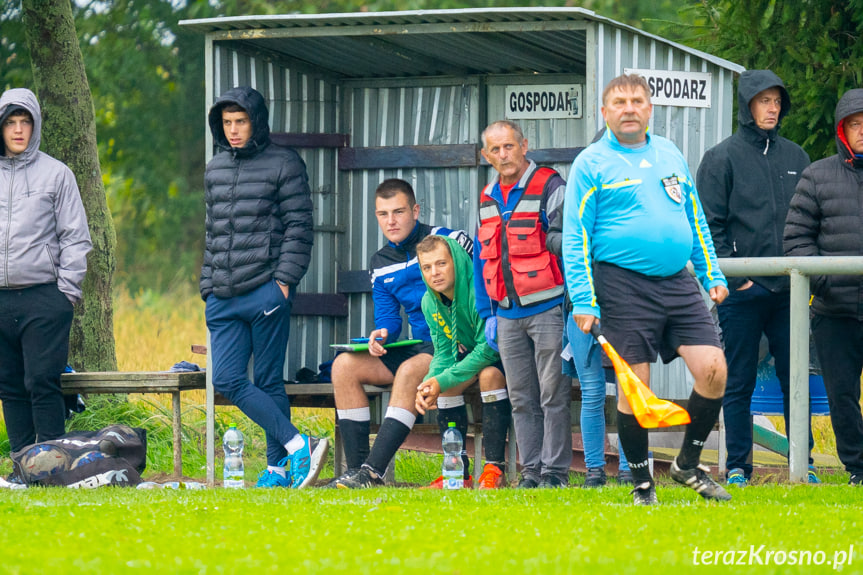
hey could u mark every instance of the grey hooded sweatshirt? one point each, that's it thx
(43, 228)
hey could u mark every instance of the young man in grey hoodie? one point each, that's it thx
(44, 243)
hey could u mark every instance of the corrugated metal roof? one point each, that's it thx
(428, 42)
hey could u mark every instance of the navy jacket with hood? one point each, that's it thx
(826, 218)
(746, 183)
(259, 207)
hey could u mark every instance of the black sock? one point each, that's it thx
(355, 438)
(704, 413)
(633, 440)
(496, 417)
(459, 416)
(390, 437)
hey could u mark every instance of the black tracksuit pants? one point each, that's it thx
(839, 343)
(34, 348)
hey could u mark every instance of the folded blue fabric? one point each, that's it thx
(184, 366)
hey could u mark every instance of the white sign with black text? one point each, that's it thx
(543, 102)
(676, 88)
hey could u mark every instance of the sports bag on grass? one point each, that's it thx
(114, 455)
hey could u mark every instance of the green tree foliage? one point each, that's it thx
(147, 80)
(69, 132)
(815, 46)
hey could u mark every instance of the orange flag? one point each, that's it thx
(649, 410)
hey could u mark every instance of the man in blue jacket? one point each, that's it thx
(746, 183)
(396, 283)
(632, 220)
(258, 248)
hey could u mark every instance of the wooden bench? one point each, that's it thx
(141, 382)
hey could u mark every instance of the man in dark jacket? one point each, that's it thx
(746, 183)
(258, 247)
(825, 220)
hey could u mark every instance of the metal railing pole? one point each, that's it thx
(798, 432)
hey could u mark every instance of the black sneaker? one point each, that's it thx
(334, 483)
(625, 477)
(528, 482)
(644, 494)
(551, 482)
(362, 479)
(698, 478)
(856, 479)
(595, 478)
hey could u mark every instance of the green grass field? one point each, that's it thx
(410, 531)
(390, 530)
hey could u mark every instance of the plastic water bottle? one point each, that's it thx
(453, 466)
(233, 470)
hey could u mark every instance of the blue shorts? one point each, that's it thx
(645, 316)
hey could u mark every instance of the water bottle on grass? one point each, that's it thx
(453, 466)
(233, 471)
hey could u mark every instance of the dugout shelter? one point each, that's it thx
(369, 96)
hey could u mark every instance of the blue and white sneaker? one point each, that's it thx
(811, 477)
(269, 478)
(307, 462)
(737, 478)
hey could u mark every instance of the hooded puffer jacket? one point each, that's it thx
(43, 227)
(457, 330)
(259, 207)
(826, 218)
(747, 181)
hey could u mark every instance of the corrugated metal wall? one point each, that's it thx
(411, 113)
(300, 103)
(540, 134)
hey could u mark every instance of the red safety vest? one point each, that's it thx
(517, 266)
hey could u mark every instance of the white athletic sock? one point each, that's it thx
(401, 415)
(493, 395)
(356, 414)
(444, 402)
(295, 444)
(276, 469)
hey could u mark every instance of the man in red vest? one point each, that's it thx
(519, 292)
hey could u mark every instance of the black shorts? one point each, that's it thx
(498, 364)
(395, 356)
(645, 316)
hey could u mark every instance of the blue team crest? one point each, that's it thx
(672, 188)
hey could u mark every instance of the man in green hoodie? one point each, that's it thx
(462, 355)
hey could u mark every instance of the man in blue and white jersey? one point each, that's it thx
(632, 220)
(396, 283)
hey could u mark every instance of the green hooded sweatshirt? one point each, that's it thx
(460, 318)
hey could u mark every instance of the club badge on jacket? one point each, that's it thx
(672, 188)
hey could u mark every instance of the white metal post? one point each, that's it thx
(798, 432)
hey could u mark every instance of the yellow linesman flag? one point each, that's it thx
(649, 410)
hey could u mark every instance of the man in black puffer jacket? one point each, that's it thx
(258, 247)
(746, 183)
(825, 220)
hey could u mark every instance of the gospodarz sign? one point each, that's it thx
(676, 88)
(542, 102)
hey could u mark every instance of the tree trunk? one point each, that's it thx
(69, 134)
